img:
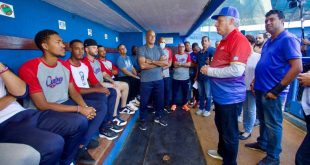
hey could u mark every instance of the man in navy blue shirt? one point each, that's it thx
(204, 57)
(193, 75)
(280, 63)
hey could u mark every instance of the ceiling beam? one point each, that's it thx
(208, 10)
(122, 13)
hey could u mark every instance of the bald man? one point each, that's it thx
(151, 60)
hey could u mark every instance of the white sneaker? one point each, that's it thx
(132, 106)
(199, 112)
(127, 110)
(240, 119)
(133, 102)
(206, 113)
(214, 154)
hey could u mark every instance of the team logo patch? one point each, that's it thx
(127, 63)
(6, 10)
(82, 77)
(182, 60)
(52, 82)
(236, 58)
(97, 71)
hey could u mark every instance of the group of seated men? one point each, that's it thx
(66, 104)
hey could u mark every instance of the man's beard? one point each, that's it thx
(259, 44)
(93, 54)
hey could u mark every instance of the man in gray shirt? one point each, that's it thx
(181, 62)
(151, 60)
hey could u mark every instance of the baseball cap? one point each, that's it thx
(90, 42)
(227, 11)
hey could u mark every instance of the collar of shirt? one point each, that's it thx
(230, 35)
(282, 34)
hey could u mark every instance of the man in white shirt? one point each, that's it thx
(302, 155)
(249, 105)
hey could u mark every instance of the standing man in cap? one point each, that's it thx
(278, 66)
(226, 73)
(151, 60)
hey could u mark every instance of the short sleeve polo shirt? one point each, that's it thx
(274, 62)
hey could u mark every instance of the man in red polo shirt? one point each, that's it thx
(228, 88)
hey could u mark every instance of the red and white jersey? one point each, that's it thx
(96, 67)
(109, 67)
(52, 81)
(181, 73)
(168, 55)
(82, 75)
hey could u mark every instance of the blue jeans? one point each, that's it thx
(155, 88)
(168, 91)
(226, 121)
(302, 155)
(249, 112)
(204, 91)
(55, 135)
(110, 105)
(190, 85)
(108, 101)
(183, 84)
(269, 113)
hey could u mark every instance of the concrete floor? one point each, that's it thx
(208, 138)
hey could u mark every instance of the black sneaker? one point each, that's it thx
(143, 126)
(268, 161)
(191, 102)
(116, 128)
(168, 110)
(161, 121)
(257, 123)
(138, 97)
(93, 144)
(127, 110)
(83, 157)
(242, 137)
(254, 146)
(119, 121)
(107, 134)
